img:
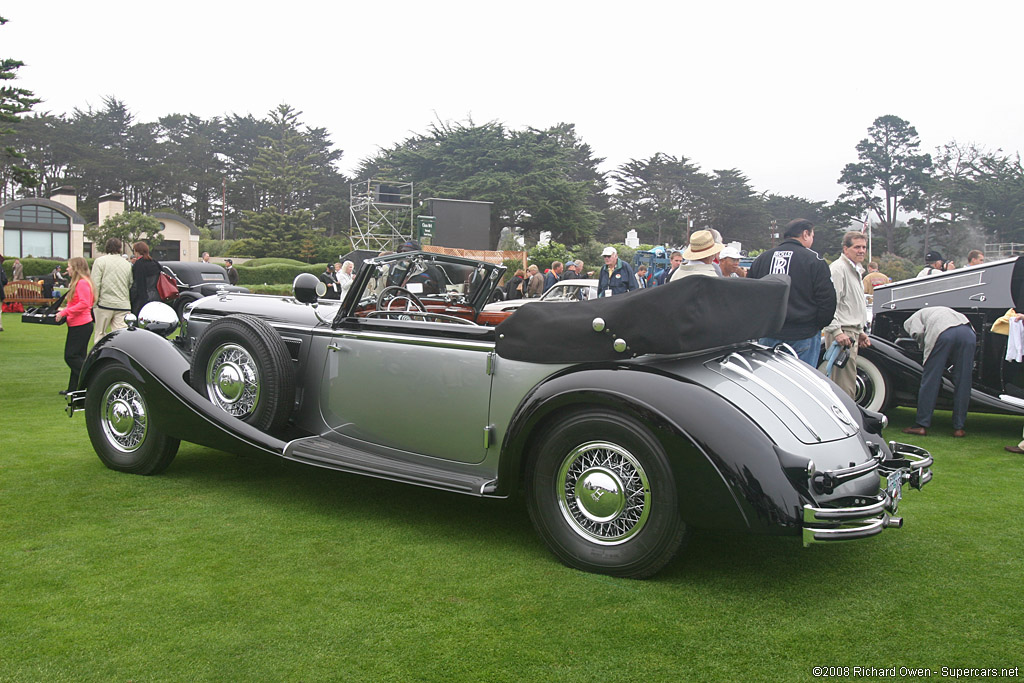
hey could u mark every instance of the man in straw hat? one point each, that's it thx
(700, 253)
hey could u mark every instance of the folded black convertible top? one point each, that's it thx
(692, 313)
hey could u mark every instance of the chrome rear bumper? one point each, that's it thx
(76, 402)
(855, 517)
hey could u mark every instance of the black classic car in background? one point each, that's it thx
(620, 437)
(196, 280)
(890, 370)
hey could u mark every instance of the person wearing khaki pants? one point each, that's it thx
(847, 327)
(112, 280)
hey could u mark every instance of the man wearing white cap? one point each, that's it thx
(616, 276)
(700, 253)
(729, 260)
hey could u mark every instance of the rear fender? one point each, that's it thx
(726, 468)
(176, 408)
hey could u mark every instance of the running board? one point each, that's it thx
(322, 452)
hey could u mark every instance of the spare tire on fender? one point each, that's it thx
(242, 365)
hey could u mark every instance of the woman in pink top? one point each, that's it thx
(78, 313)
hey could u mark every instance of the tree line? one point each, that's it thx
(274, 182)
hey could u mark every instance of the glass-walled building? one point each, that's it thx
(40, 228)
(52, 228)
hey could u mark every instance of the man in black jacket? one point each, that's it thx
(812, 298)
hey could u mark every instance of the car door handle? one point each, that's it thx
(336, 347)
(977, 297)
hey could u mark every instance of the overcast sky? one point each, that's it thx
(782, 91)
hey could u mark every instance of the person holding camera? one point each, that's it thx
(934, 265)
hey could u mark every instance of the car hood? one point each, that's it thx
(277, 310)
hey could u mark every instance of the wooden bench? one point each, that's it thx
(27, 293)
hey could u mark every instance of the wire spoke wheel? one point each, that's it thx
(123, 418)
(125, 434)
(242, 365)
(233, 380)
(604, 492)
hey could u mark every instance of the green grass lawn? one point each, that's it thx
(233, 568)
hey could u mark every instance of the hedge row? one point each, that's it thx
(35, 267)
(274, 273)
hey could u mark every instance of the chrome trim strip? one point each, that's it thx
(434, 342)
(910, 291)
(741, 359)
(847, 425)
(850, 514)
(817, 378)
(749, 375)
(850, 533)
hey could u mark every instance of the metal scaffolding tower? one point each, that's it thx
(381, 214)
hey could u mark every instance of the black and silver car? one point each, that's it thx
(622, 436)
(890, 370)
(196, 280)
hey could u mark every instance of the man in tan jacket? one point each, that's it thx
(847, 326)
(111, 281)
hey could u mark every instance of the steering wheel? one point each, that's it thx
(389, 295)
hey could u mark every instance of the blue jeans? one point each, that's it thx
(808, 350)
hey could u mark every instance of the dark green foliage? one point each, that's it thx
(129, 227)
(274, 273)
(13, 102)
(543, 256)
(272, 233)
(35, 267)
(244, 248)
(274, 260)
(329, 249)
(537, 179)
(890, 174)
(657, 196)
(897, 267)
(511, 266)
(215, 247)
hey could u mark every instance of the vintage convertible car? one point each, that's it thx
(622, 437)
(889, 371)
(196, 280)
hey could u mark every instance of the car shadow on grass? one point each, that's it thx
(499, 526)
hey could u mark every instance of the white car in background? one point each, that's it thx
(566, 290)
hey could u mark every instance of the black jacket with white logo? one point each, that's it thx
(812, 297)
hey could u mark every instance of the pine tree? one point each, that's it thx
(13, 101)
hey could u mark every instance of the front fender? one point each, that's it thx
(177, 409)
(726, 467)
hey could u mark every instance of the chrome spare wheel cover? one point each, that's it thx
(864, 392)
(233, 380)
(603, 493)
(124, 417)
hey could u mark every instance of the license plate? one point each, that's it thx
(894, 486)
